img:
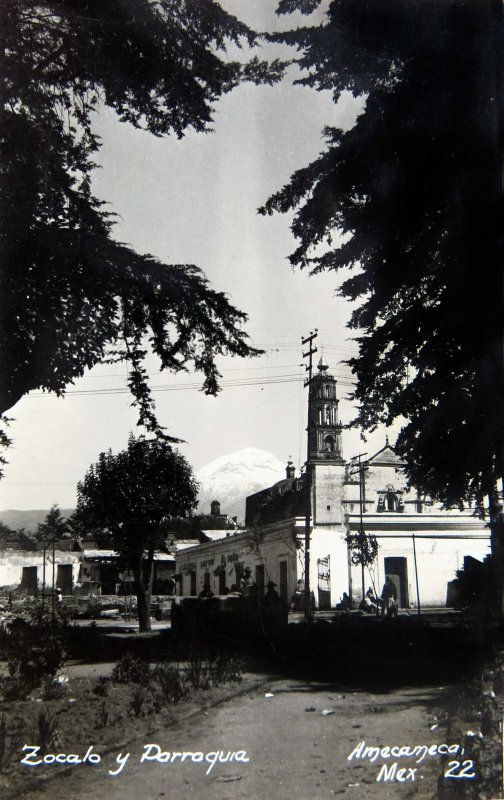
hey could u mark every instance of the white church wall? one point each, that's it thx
(437, 559)
(330, 541)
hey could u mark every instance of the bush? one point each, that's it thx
(102, 687)
(34, 654)
(137, 702)
(171, 683)
(227, 669)
(199, 672)
(11, 738)
(130, 669)
(48, 734)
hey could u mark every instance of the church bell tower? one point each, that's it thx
(324, 429)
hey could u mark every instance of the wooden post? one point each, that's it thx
(308, 477)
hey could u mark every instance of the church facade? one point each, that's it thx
(420, 545)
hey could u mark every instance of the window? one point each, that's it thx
(329, 444)
(391, 502)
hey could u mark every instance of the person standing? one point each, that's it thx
(389, 597)
(247, 584)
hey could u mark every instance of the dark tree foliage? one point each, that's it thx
(363, 548)
(71, 295)
(410, 200)
(54, 526)
(130, 494)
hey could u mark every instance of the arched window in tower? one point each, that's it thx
(328, 415)
(329, 444)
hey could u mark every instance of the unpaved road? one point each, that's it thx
(294, 752)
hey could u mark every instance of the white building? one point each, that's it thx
(420, 545)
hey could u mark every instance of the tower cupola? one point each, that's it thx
(324, 428)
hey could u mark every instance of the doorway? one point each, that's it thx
(396, 567)
(29, 580)
(64, 579)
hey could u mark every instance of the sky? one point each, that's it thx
(194, 201)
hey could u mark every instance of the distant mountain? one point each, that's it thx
(28, 519)
(228, 479)
(231, 478)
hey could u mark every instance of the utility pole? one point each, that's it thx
(308, 476)
(361, 469)
(53, 568)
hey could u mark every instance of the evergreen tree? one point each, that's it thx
(53, 527)
(71, 295)
(410, 202)
(130, 494)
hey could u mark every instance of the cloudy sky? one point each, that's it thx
(195, 201)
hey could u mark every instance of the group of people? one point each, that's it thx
(386, 605)
(247, 588)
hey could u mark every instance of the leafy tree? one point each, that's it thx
(71, 295)
(130, 493)
(409, 202)
(53, 527)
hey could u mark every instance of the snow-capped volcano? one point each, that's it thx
(229, 479)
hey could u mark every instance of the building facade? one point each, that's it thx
(420, 544)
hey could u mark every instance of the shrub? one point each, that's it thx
(11, 738)
(227, 669)
(102, 716)
(137, 702)
(34, 653)
(171, 682)
(130, 669)
(48, 734)
(199, 672)
(102, 687)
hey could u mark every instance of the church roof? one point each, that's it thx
(386, 456)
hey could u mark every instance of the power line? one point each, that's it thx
(264, 381)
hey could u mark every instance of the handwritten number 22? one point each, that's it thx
(457, 770)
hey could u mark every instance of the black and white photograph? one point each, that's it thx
(251, 399)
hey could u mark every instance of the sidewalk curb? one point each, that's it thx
(45, 780)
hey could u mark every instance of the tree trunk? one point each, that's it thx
(143, 576)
